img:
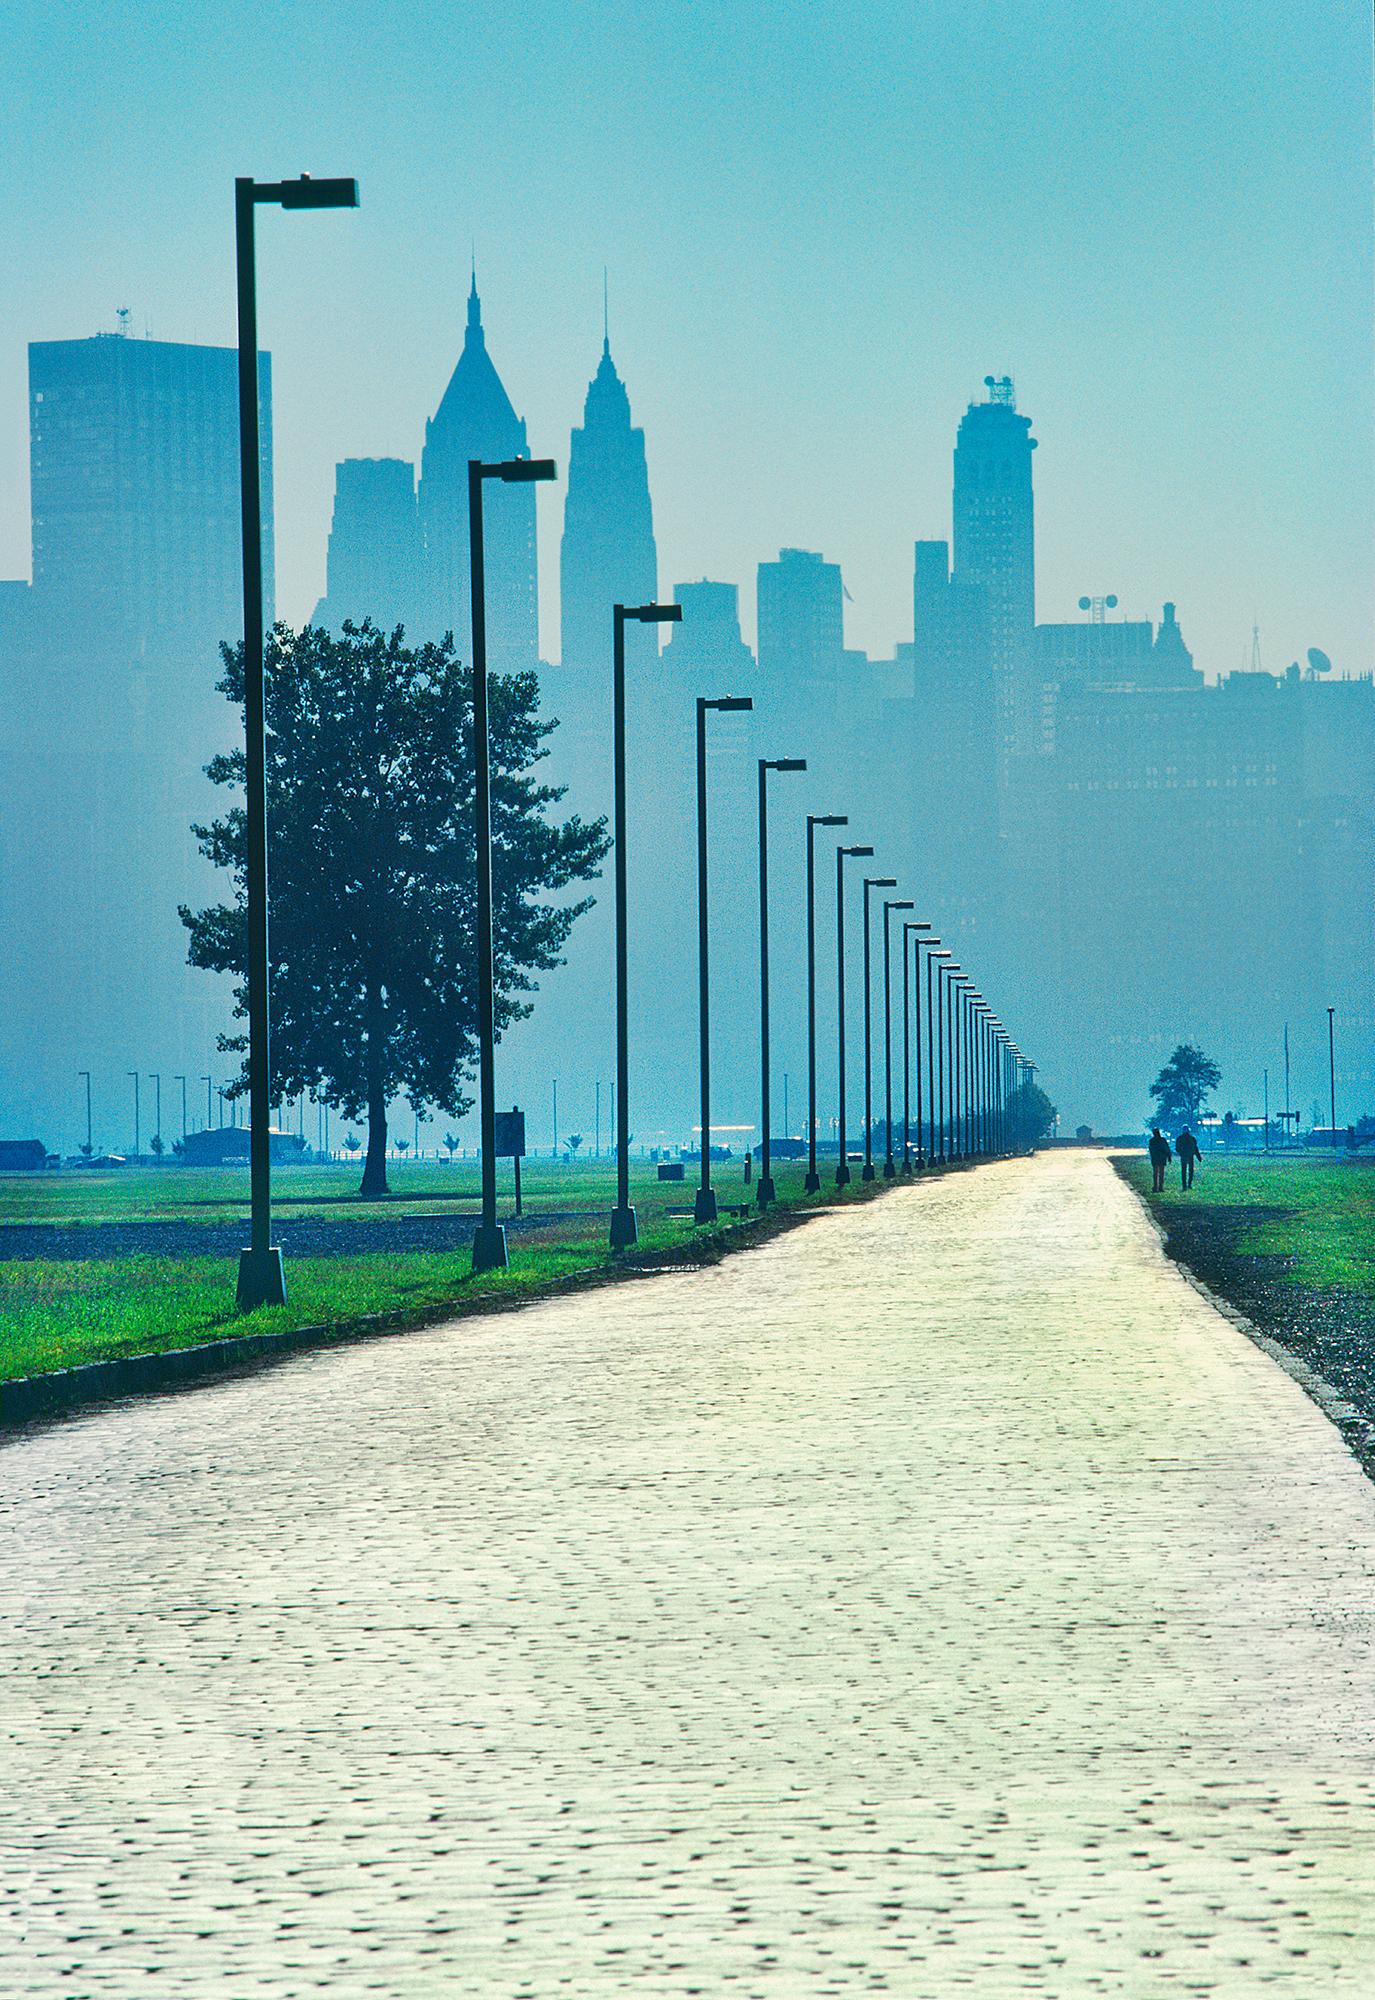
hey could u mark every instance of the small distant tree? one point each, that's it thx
(402, 1145)
(450, 1146)
(370, 799)
(87, 1148)
(1030, 1117)
(574, 1141)
(155, 1145)
(352, 1143)
(1183, 1086)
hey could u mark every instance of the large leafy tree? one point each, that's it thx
(1183, 1085)
(372, 875)
(1030, 1117)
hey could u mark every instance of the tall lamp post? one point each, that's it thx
(1332, 1074)
(182, 1081)
(889, 1168)
(624, 1231)
(765, 1192)
(854, 853)
(870, 882)
(138, 1144)
(489, 1238)
(155, 1078)
(814, 820)
(704, 1208)
(911, 952)
(262, 1281)
(936, 952)
(90, 1143)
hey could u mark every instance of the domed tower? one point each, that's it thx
(476, 419)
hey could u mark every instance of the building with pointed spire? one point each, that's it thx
(608, 554)
(995, 545)
(476, 419)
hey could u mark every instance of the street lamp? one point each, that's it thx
(489, 1238)
(814, 820)
(704, 1209)
(156, 1080)
(765, 1192)
(262, 1280)
(1332, 1074)
(842, 1160)
(138, 1147)
(182, 1081)
(90, 1143)
(936, 952)
(624, 1231)
(888, 1167)
(870, 882)
(909, 931)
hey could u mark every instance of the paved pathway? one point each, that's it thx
(940, 1600)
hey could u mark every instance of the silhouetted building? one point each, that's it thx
(709, 634)
(1130, 655)
(373, 568)
(801, 620)
(475, 419)
(134, 468)
(994, 541)
(608, 554)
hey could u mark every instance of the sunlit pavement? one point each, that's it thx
(940, 1599)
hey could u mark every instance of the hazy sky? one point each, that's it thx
(824, 223)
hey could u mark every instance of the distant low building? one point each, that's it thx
(228, 1145)
(22, 1156)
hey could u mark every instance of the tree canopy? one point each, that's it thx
(371, 870)
(1183, 1085)
(1030, 1116)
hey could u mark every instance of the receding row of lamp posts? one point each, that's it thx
(971, 1063)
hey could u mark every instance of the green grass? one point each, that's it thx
(61, 1313)
(1321, 1212)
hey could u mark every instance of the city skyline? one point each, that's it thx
(1176, 277)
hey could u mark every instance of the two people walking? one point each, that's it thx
(1186, 1149)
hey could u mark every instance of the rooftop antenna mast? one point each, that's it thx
(122, 322)
(1256, 667)
(1001, 390)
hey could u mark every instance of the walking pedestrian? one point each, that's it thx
(1186, 1150)
(1159, 1150)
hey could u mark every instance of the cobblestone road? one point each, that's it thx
(942, 1599)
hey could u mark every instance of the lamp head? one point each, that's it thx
(726, 701)
(899, 906)
(786, 764)
(306, 193)
(880, 881)
(653, 614)
(521, 471)
(828, 819)
(854, 850)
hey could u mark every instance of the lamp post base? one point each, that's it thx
(489, 1248)
(624, 1230)
(842, 1175)
(262, 1281)
(868, 1173)
(906, 1168)
(766, 1191)
(812, 1184)
(889, 1170)
(704, 1208)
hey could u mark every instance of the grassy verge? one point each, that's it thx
(1291, 1244)
(60, 1314)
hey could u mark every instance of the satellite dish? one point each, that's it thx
(1318, 660)
(988, 382)
(1111, 603)
(1085, 603)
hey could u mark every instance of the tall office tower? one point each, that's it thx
(373, 566)
(134, 460)
(801, 618)
(608, 554)
(111, 714)
(475, 419)
(995, 543)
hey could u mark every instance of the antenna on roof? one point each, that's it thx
(122, 322)
(1000, 390)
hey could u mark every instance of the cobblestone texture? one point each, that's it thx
(941, 1599)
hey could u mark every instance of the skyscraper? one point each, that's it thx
(608, 554)
(476, 419)
(134, 457)
(801, 619)
(995, 542)
(373, 567)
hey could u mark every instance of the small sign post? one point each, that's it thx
(510, 1142)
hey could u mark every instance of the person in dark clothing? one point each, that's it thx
(1159, 1150)
(1186, 1152)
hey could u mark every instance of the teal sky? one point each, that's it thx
(824, 225)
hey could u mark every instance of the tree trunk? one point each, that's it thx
(375, 1162)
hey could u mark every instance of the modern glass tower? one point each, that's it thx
(476, 419)
(995, 550)
(608, 554)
